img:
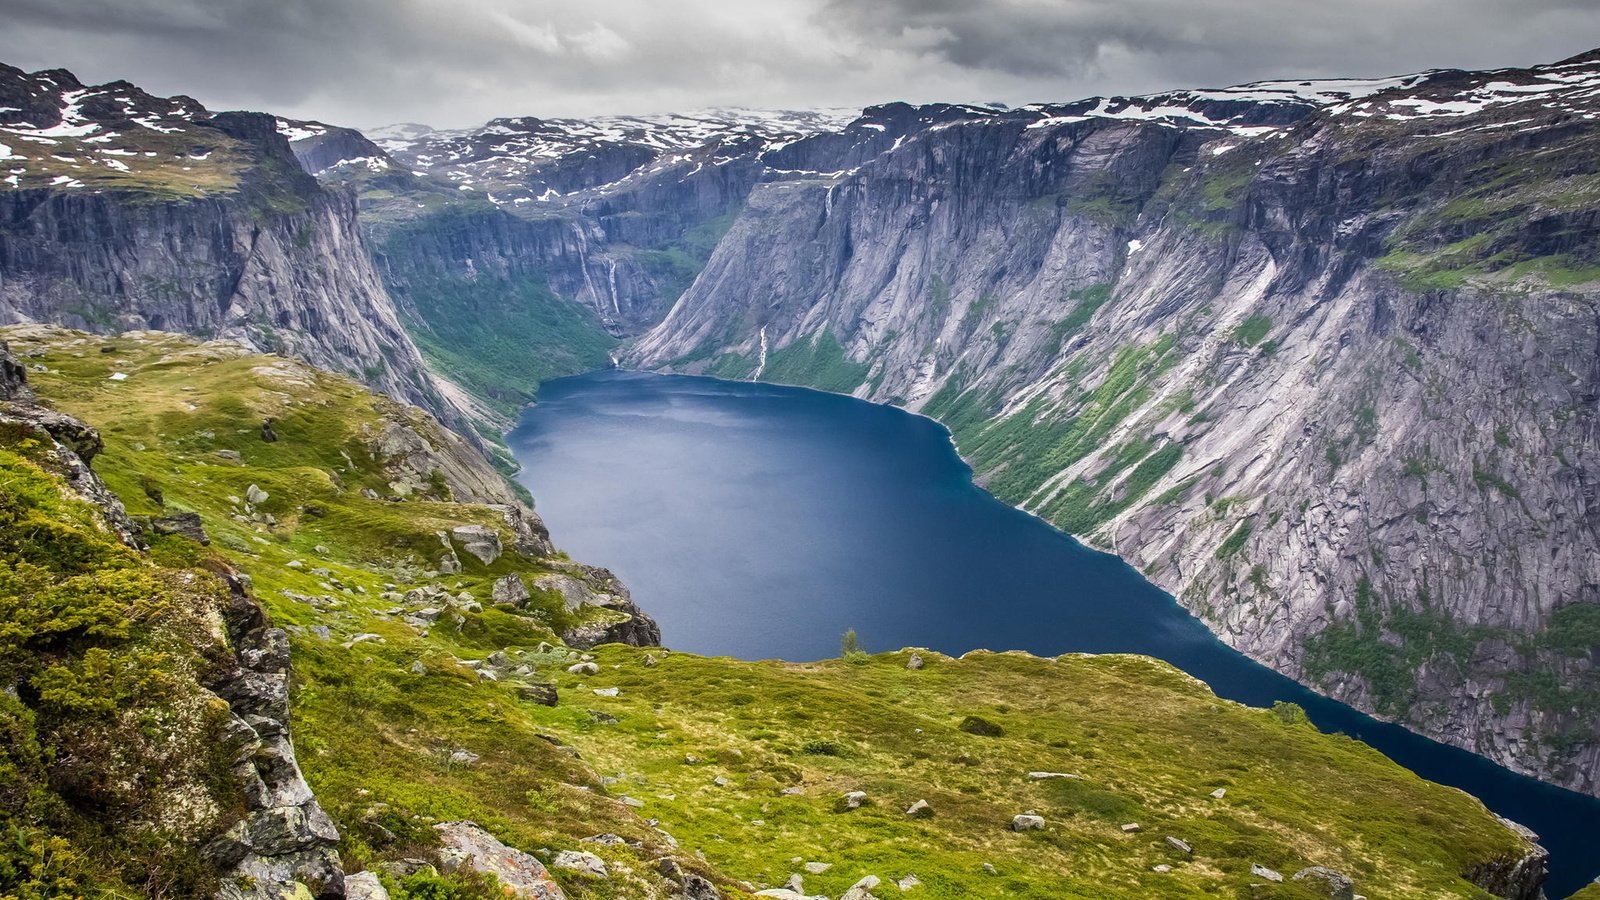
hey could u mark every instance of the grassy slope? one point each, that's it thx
(1150, 743)
(500, 341)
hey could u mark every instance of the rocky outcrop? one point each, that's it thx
(587, 590)
(1519, 878)
(284, 837)
(467, 846)
(72, 443)
(1250, 352)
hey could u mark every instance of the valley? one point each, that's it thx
(1316, 358)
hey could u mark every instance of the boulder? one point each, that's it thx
(581, 862)
(255, 496)
(696, 887)
(1026, 822)
(915, 662)
(364, 886)
(481, 542)
(466, 846)
(584, 668)
(1264, 872)
(919, 809)
(1131, 828)
(186, 524)
(1327, 883)
(854, 799)
(1178, 844)
(538, 692)
(510, 591)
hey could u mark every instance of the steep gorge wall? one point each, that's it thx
(1333, 386)
(294, 281)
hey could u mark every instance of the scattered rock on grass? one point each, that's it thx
(364, 886)
(1264, 872)
(582, 863)
(1026, 822)
(1327, 882)
(465, 845)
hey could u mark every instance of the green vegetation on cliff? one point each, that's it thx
(737, 770)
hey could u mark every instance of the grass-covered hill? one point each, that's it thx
(418, 699)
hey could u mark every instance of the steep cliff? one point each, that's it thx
(122, 210)
(144, 722)
(1320, 358)
(520, 250)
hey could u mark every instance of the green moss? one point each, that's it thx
(375, 734)
(1235, 541)
(819, 362)
(1086, 301)
(1252, 330)
(500, 340)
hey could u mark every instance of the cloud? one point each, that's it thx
(457, 62)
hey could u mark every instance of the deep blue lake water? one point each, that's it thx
(759, 522)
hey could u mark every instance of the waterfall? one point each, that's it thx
(761, 360)
(583, 262)
(612, 272)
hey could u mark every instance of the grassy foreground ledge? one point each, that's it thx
(737, 770)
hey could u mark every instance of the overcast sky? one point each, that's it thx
(460, 62)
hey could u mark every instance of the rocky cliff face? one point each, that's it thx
(177, 751)
(126, 211)
(1320, 359)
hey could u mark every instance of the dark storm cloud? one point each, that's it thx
(455, 62)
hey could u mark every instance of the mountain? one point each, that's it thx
(1319, 358)
(123, 210)
(456, 734)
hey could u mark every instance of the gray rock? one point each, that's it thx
(255, 496)
(364, 886)
(1178, 844)
(519, 873)
(854, 799)
(510, 590)
(584, 668)
(582, 862)
(231, 456)
(915, 662)
(919, 809)
(1131, 828)
(1260, 871)
(1026, 822)
(483, 543)
(541, 693)
(1327, 882)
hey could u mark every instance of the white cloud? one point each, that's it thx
(457, 62)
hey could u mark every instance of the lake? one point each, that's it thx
(759, 521)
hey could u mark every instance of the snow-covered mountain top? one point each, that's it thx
(1247, 109)
(533, 138)
(57, 132)
(1571, 86)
